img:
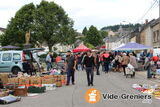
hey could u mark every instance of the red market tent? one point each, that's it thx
(101, 47)
(81, 48)
(104, 47)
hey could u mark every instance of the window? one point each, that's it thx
(7, 57)
(27, 57)
(16, 56)
(154, 36)
(157, 35)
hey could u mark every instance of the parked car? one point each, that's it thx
(11, 61)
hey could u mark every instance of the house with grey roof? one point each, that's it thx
(2, 30)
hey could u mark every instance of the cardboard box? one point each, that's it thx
(13, 80)
(47, 80)
(23, 80)
(4, 93)
(57, 77)
(58, 84)
(4, 77)
(20, 92)
(35, 80)
(63, 77)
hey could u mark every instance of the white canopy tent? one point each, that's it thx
(119, 46)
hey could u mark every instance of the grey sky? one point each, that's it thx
(90, 12)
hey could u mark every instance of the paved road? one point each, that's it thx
(73, 96)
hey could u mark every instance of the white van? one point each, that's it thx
(12, 61)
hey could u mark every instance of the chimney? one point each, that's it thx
(146, 21)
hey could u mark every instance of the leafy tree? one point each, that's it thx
(84, 32)
(93, 37)
(48, 22)
(82, 38)
(89, 45)
(17, 27)
(103, 33)
(53, 24)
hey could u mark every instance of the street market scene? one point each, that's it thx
(54, 53)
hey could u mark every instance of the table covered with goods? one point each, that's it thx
(12, 87)
(153, 90)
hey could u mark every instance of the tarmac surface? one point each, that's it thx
(73, 95)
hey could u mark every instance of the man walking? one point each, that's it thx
(70, 67)
(89, 64)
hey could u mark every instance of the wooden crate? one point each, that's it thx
(48, 79)
(58, 84)
(23, 80)
(4, 77)
(13, 80)
(20, 92)
(35, 80)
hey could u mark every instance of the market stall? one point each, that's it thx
(133, 46)
(101, 47)
(81, 48)
(11, 86)
(119, 46)
(153, 90)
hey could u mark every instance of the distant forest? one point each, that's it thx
(116, 27)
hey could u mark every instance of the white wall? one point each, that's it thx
(149, 37)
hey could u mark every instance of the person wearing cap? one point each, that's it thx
(70, 67)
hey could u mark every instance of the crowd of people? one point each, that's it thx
(94, 60)
(106, 60)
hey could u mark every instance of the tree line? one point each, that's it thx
(116, 27)
(93, 37)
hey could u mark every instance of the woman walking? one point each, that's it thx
(125, 62)
(133, 62)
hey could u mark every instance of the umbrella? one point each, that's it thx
(10, 47)
(133, 46)
(81, 48)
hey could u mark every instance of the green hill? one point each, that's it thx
(116, 27)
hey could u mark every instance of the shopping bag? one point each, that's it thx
(130, 66)
(158, 71)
